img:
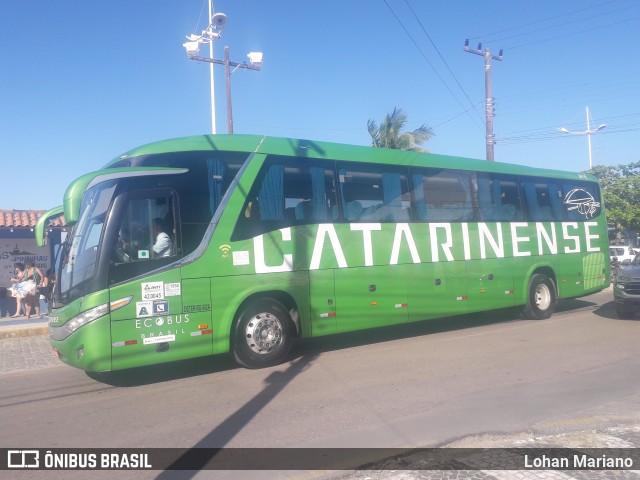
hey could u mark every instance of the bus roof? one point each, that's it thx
(335, 151)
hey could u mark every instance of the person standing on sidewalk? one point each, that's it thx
(32, 298)
(18, 287)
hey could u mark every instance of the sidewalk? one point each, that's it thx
(21, 327)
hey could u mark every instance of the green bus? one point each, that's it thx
(238, 243)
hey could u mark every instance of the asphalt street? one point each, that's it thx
(567, 382)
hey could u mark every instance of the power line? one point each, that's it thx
(541, 20)
(563, 25)
(551, 127)
(442, 58)
(550, 135)
(572, 33)
(428, 61)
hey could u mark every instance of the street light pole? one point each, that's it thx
(589, 138)
(212, 84)
(588, 132)
(211, 33)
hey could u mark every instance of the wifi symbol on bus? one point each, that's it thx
(225, 250)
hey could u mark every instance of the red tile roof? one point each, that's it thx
(25, 218)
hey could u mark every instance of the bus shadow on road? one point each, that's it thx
(219, 363)
(427, 327)
(573, 304)
(406, 330)
(608, 311)
(164, 372)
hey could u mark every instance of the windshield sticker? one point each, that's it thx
(582, 201)
(172, 289)
(152, 291)
(160, 307)
(144, 309)
(143, 253)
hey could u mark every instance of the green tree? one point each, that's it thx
(389, 134)
(621, 193)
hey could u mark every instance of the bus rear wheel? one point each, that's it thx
(263, 334)
(541, 301)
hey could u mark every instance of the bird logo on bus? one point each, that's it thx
(583, 201)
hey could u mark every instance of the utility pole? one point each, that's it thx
(227, 75)
(490, 139)
(255, 63)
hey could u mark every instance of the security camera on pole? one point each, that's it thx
(213, 32)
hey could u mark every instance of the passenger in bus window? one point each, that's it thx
(163, 244)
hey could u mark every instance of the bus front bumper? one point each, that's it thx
(88, 348)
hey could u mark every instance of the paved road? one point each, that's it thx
(26, 353)
(482, 380)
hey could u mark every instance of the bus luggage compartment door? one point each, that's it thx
(370, 296)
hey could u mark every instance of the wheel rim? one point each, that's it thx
(542, 296)
(263, 333)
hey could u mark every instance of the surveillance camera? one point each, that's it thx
(255, 58)
(219, 20)
(192, 48)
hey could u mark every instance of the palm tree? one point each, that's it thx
(388, 134)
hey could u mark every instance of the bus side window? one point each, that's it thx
(542, 199)
(499, 198)
(443, 195)
(374, 193)
(288, 191)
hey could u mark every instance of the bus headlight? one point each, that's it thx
(60, 333)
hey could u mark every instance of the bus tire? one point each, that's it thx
(541, 300)
(263, 334)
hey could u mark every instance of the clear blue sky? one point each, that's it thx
(83, 81)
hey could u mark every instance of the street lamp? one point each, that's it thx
(212, 32)
(588, 132)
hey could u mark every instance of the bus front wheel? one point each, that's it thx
(542, 298)
(263, 334)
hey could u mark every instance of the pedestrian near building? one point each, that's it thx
(19, 287)
(32, 298)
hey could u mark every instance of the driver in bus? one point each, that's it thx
(163, 244)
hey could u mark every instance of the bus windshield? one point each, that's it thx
(79, 260)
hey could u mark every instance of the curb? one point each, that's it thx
(24, 332)
(10, 328)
